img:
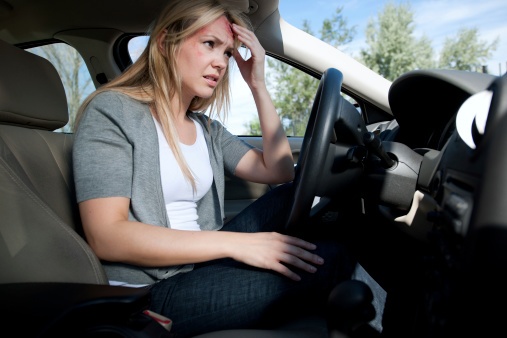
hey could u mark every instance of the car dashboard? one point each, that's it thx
(425, 104)
(453, 200)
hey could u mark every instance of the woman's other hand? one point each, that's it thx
(277, 252)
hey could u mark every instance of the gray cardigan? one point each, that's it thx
(116, 153)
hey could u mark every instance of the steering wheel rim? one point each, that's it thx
(317, 139)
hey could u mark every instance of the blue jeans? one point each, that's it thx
(225, 294)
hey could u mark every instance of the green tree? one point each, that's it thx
(392, 48)
(335, 31)
(465, 51)
(253, 127)
(75, 78)
(295, 90)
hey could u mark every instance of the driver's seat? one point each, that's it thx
(49, 275)
(40, 223)
(51, 282)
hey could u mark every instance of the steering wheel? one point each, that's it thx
(321, 151)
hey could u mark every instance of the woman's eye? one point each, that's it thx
(210, 44)
(229, 54)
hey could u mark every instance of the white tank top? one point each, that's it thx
(180, 199)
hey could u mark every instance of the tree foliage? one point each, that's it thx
(253, 127)
(392, 48)
(335, 31)
(295, 90)
(75, 79)
(465, 51)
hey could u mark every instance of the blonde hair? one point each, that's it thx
(154, 78)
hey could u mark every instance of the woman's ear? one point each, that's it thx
(161, 42)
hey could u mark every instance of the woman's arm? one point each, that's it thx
(274, 164)
(114, 238)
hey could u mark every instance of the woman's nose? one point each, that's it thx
(220, 62)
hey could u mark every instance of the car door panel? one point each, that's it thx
(240, 193)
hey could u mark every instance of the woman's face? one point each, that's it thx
(204, 57)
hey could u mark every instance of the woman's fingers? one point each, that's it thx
(287, 260)
(251, 69)
(244, 35)
(248, 38)
(296, 254)
(299, 248)
(285, 271)
(277, 252)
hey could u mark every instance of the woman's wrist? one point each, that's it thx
(259, 90)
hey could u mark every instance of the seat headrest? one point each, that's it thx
(31, 91)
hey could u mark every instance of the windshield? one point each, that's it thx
(394, 37)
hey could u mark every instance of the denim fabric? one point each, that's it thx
(224, 294)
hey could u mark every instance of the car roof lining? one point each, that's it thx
(24, 16)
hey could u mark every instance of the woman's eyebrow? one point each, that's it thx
(217, 40)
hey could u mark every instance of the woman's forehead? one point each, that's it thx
(221, 27)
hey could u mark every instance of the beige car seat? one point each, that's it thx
(45, 263)
(39, 225)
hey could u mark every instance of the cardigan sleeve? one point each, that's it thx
(225, 147)
(102, 153)
(234, 149)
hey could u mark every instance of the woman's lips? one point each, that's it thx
(212, 80)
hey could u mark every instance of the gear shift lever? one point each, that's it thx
(350, 307)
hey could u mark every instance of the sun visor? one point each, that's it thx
(243, 5)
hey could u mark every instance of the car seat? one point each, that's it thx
(51, 282)
(40, 223)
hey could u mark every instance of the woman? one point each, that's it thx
(149, 169)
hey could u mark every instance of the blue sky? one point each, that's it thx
(437, 19)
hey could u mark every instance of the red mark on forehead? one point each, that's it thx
(225, 24)
(230, 29)
(220, 23)
(221, 29)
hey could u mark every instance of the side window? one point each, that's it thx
(292, 91)
(75, 76)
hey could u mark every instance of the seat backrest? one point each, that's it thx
(40, 229)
